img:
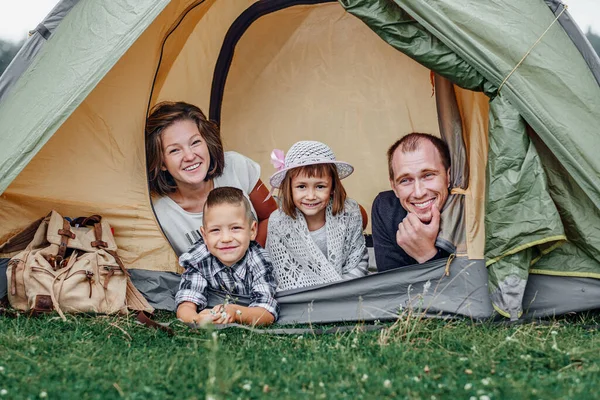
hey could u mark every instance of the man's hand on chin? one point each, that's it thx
(416, 238)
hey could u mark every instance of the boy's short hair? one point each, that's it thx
(411, 142)
(228, 195)
(314, 170)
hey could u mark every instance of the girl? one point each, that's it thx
(316, 234)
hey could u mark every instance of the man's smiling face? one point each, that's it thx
(420, 180)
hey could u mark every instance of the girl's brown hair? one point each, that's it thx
(315, 170)
(161, 117)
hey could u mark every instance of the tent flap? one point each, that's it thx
(401, 31)
(520, 213)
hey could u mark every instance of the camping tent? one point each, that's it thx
(512, 86)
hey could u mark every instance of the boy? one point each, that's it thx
(228, 260)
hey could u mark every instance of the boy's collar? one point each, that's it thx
(241, 273)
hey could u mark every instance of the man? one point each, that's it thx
(406, 219)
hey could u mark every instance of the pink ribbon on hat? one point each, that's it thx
(278, 159)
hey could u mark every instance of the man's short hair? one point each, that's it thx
(228, 195)
(411, 142)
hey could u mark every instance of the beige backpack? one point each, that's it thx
(69, 267)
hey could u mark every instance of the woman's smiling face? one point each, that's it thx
(185, 153)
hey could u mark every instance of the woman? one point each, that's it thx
(185, 162)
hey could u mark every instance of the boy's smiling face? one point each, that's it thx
(227, 232)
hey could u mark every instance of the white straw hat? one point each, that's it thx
(303, 153)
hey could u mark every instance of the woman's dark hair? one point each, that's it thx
(161, 117)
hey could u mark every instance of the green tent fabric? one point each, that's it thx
(467, 42)
(44, 98)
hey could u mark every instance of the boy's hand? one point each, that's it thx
(223, 314)
(204, 317)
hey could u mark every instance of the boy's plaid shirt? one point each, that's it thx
(252, 275)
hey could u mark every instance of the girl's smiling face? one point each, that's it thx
(311, 196)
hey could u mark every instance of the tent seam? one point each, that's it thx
(526, 246)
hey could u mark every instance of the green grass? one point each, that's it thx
(112, 357)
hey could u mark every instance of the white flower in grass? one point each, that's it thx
(554, 333)
(247, 386)
(283, 360)
(43, 395)
(485, 381)
(387, 383)
(484, 397)
(510, 339)
(468, 386)
(416, 379)
(3, 392)
(321, 384)
(426, 287)
(1, 369)
(463, 359)
(364, 377)
(472, 398)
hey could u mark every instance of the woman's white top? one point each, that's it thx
(299, 262)
(182, 228)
